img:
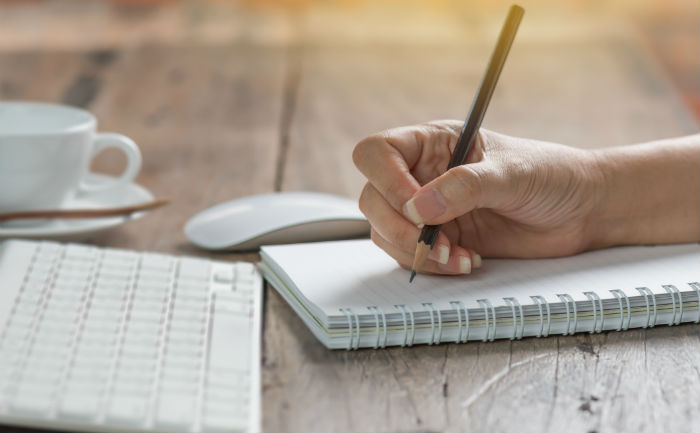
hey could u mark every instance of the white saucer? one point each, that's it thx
(78, 229)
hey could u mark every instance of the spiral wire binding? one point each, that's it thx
(463, 324)
(512, 302)
(540, 301)
(593, 297)
(403, 309)
(486, 304)
(377, 311)
(644, 291)
(349, 314)
(566, 299)
(620, 295)
(696, 286)
(405, 325)
(433, 340)
(673, 290)
(459, 306)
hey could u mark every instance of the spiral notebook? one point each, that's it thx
(351, 294)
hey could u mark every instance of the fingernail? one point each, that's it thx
(477, 261)
(410, 211)
(425, 206)
(441, 254)
(465, 265)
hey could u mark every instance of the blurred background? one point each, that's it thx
(223, 78)
(669, 29)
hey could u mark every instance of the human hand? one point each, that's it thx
(513, 198)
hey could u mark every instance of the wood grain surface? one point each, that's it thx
(227, 102)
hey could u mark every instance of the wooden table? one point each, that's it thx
(227, 101)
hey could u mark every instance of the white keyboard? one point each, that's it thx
(98, 339)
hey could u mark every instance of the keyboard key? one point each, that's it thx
(184, 327)
(226, 407)
(143, 377)
(61, 336)
(187, 315)
(224, 419)
(227, 376)
(154, 279)
(175, 411)
(226, 328)
(175, 375)
(45, 364)
(127, 410)
(224, 275)
(190, 361)
(185, 350)
(77, 405)
(191, 298)
(91, 366)
(192, 268)
(229, 396)
(104, 326)
(32, 402)
(21, 322)
(133, 388)
(141, 296)
(106, 307)
(139, 351)
(118, 296)
(199, 287)
(146, 316)
(96, 345)
(178, 340)
(156, 261)
(111, 285)
(148, 306)
(137, 339)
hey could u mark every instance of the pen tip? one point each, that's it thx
(413, 275)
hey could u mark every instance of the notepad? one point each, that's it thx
(351, 294)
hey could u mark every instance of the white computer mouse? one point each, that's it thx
(286, 217)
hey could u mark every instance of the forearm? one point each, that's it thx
(650, 194)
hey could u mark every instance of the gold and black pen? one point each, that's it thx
(429, 234)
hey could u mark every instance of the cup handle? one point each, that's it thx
(104, 140)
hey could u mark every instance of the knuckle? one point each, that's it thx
(468, 180)
(364, 198)
(374, 236)
(360, 154)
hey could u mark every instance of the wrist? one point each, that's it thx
(608, 223)
(648, 194)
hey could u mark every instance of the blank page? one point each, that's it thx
(357, 274)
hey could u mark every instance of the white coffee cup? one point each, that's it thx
(45, 155)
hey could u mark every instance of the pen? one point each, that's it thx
(429, 234)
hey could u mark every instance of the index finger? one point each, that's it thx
(386, 160)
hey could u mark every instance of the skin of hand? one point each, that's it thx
(513, 198)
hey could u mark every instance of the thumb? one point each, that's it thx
(458, 191)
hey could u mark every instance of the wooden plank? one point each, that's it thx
(207, 119)
(79, 25)
(40, 75)
(590, 93)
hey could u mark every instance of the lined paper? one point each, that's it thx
(357, 274)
